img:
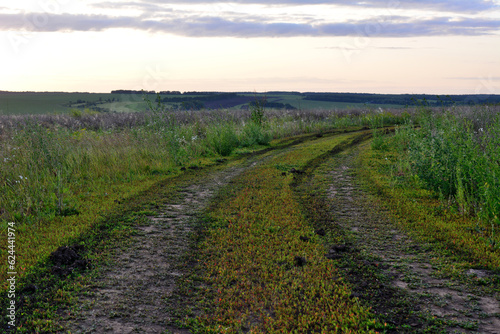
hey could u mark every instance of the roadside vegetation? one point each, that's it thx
(440, 174)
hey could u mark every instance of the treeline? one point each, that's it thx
(404, 99)
(164, 92)
(207, 98)
(129, 91)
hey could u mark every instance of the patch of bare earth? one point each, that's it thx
(405, 264)
(131, 294)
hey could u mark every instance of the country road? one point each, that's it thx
(379, 269)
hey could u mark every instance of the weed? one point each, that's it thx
(443, 170)
(223, 139)
(257, 108)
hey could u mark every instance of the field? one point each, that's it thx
(47, 103)
(60, 103)
(354, 220)
(18, 103)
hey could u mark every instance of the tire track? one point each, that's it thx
(130, 297)
(406, 264)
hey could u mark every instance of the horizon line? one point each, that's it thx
(244, 92)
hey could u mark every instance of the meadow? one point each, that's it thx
(436, 169)
(21, 103)
(59, 172)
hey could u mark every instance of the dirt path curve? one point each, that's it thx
(406, 264)
(130, 295)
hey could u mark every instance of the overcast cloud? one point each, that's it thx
(228, 19)
(209, 26)
(448, 5)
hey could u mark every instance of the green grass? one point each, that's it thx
(111, 230)
(441, 180)
(45, 103)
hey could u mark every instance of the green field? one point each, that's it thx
(59, 103)
(22, 103)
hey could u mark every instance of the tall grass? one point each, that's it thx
(58, 173)
(456, 153)
(49, 162)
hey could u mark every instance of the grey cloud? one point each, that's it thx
(205, 26)
(44, 22)
(145, 6)
(444, 5)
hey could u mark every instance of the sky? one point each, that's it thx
(369, 46)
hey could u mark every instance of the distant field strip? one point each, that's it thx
(265, 263)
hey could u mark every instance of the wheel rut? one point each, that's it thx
(130, 295)
(407, 269)
(132, 291)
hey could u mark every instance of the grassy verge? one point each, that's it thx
(425, 215)
(265, 269)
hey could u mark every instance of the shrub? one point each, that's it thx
(456, 159)
(223, 139)
(254, 134)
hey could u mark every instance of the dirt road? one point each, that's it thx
(386, 269)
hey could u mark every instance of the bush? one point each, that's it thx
(254, 134)
(223, 139)
(456, 160)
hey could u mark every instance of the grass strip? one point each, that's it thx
(264, 264)
(37, 240)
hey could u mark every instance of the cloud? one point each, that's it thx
(194, 25)
(144, 6)
(351, 48)
(490, 78)
(443, 5)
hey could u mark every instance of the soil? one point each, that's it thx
(68, 258)
(228, 103)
